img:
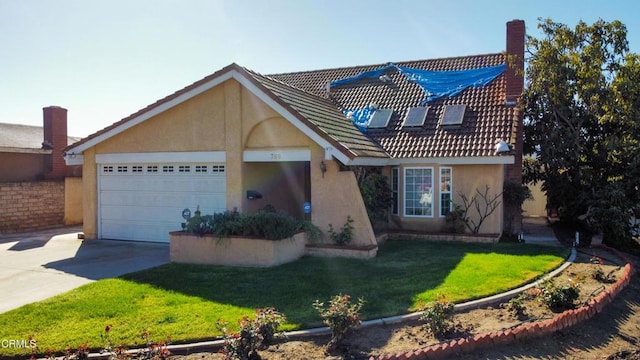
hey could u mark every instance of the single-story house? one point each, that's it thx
(29, 153)
(241, 140)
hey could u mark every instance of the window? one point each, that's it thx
(152, 168)
(217, 168)
(446, 188)
(201, 168)
(107, 169)
(395, 186)
(184, 168)
(167, 168)
(122, 169)
(418, 192)
(136, 168)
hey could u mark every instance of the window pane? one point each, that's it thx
(419, 192)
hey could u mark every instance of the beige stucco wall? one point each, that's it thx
(466, 179)
(195, 125)
(235, 250)
(538, 205)
(334, 196)
(90, 195)
(72, 201)
(230, 118)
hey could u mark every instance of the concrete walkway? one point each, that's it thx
(536, 230)
(38, 265)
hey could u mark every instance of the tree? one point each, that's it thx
(582, 122)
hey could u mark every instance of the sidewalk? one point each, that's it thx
(536, 230)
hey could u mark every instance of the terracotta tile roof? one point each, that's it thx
(19, 136)
(487, 119)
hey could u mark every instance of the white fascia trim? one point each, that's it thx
(74, 159)
(276, 155)
(162, 157)
(480, 160)
(153, 112)
(291, 118)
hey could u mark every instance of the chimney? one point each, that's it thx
(515, 61)
(55, 138)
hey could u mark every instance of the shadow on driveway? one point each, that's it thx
(38, 265)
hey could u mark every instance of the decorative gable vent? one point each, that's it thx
(415, 117)
(453, 115)
(380, 119)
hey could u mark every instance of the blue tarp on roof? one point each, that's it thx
(360, 117)
(366, 74)
(435, 84)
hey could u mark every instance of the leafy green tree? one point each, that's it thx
(582, 120)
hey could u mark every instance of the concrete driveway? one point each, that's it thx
(38, 265)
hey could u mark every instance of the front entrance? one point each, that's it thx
(284, 186)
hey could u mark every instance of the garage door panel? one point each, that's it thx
(147, 206)
(138, 231)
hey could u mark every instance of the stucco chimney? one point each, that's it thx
(515, 53)
(55, 138)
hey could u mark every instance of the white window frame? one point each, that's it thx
(405, 187)
(395, 190)
(441, 191)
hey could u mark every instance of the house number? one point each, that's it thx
(276, 156)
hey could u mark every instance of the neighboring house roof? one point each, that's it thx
(302, 98)
(24, 138)
(487, 120)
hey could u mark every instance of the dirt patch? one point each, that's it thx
(613, 333)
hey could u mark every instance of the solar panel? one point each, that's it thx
(453, 115)
(380, 118)
(415, 117)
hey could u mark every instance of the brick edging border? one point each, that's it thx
(524, 331)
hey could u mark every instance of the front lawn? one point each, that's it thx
(185, 301)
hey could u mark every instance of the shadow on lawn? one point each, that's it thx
(389, 283)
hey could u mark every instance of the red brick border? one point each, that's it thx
(523, 331)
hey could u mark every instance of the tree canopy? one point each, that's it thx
(582, 122)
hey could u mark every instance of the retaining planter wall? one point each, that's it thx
(525, 331)
(234, 251)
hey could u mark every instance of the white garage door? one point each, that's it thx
(144, 202)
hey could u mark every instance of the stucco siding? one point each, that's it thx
(466, 179)
(194, 125)
(72, 201)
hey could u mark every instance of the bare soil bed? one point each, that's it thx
(612, 334)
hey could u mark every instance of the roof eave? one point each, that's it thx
(233, 71)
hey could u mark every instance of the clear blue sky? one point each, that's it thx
(103, 60)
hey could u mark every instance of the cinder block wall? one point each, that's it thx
(31, 205)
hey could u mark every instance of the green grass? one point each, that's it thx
(184, 301)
